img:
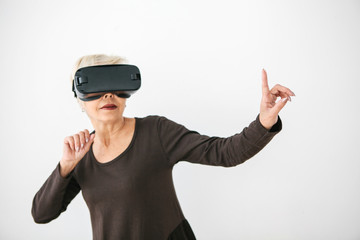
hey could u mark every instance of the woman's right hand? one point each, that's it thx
(75, 147)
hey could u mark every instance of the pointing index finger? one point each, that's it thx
(265, 85)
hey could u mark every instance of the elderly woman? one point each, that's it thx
(124, 168)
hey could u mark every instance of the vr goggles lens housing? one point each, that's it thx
(94, 96)
(93, 82)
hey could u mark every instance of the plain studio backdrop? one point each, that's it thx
(201, 66)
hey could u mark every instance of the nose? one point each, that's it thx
(109, 94)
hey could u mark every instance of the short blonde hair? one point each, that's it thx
(96, 59)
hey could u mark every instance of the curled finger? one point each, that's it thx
(285, 95)
(77, 143)
(87, 135)
(82, 139)
(70, 141)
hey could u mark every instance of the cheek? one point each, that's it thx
(121, 103)
(90, 106)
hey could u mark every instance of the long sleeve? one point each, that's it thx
(181, 144)
(54, 196)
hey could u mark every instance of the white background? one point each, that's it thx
(201, 66)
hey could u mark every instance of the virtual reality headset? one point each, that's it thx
(93, 82)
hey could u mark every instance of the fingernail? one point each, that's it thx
(87, 139)
(284, 99)
(77, 149)
(82, 145)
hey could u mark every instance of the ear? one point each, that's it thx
(81, 103)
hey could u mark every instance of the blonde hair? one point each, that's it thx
(96, 59)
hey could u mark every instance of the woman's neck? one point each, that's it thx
(107, 133)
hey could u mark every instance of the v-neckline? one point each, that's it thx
(121, 154)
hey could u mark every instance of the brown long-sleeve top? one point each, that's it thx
(133, 196)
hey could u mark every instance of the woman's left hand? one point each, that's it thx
(269, 108)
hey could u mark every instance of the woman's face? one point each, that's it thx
(108, 108)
